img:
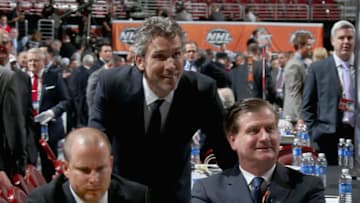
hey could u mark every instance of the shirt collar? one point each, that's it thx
(40, 73)
(151, 97)
(339, 61)
(266, 176)
(103, 199)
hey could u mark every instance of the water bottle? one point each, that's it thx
(45, 132)
(349, 154)
(345, 187)
(341, 152)
(296, 152)
(288, 126)
(307, 165)
(321, 167)
(195, 148)
(281, 113)
(305, 136)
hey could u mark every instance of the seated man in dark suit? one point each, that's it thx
(251, 129)
(87, 174)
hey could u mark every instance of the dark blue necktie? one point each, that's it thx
(256, 189)
(155, 120)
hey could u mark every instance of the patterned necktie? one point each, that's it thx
(279, 79)
(155, 120)
(34, 94)
(348, 90)
(256, 189)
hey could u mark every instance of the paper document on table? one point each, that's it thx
(331, 199)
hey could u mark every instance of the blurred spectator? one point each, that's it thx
(216, 14)
(223, 60)
(249, 15)
(181, 13)
(4, 23)
(67, 48)
(190, 55)
(163, 12)
(130, 57)
(16, 15)
(319, 54)
(231, 54)
(118, 60)
(16, 45)
(239, 59)
(56, 46)
(210, 54)
(22, 61)
(107, 21)
(31, 41)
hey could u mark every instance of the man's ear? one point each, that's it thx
(65, 168)
(231, 138)
(139, 61)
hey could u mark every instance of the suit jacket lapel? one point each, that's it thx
(69, 198)
(279, 186)
(237, 187)
(333, 75)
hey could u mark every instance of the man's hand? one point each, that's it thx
(44, 117)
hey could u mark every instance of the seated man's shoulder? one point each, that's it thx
(49, 192)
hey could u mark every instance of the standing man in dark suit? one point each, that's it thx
(329, 97)
(50, 100)
(251, 129)
(104, 56)
(87, 174)
(24, 89)
(277, 75)
(246, 81)
(80, 80)
(12, 127)
(132, 103)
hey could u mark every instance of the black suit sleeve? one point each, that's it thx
(13, 130)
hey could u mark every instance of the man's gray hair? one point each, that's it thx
(154, 27)
(342, 24)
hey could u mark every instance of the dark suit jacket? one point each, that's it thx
(54, 96)
(120, 191)
(215, 71)
(322, 92)
(98, 64)
(12, 125)
(79, 81)
(239, 82)
(286, 186)
(119, 111)
(24, 88)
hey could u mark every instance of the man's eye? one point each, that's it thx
(271, 129)
(85, 170)
(177, 55)
(160, 57)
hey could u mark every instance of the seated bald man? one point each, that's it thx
(88, 175)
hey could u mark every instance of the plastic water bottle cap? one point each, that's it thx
(345, 170)
(321, 155)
